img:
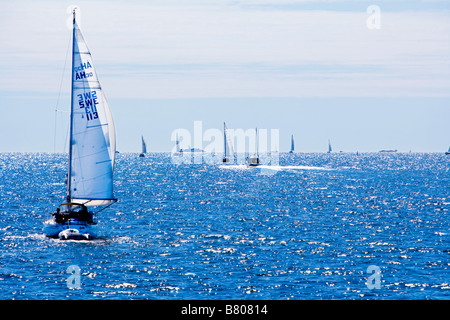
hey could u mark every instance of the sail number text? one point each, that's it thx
(80, 74)
(88, 101)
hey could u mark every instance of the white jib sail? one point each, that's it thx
(93, 144)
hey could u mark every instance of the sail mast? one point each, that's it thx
(69, 173)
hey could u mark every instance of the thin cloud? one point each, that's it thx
(211, 49)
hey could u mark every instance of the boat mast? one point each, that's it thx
(69, 174)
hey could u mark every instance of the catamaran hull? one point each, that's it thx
(253, 161)
(227, 161)
(74, 234)
(75, 230)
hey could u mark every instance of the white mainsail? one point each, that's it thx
(92, 134)
(228, 145)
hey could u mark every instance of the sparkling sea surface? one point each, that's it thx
(313, 227)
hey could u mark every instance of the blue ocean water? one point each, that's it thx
(308, 230)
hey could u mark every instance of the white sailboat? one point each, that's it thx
(228, 154)
(448, 152)
(292, 144)
(144, 148)
(92, 150)
(253, 160)
(179, 151)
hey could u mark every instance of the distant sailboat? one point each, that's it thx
(92, 150)
(448, 152)
(292, 144)
(193, 150)
(228, 146)
(144, 148)
(178, 151)
(329, 146)
(253, 160)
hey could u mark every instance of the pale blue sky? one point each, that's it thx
(308, 68)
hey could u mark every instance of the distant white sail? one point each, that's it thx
(292, 144)
(228, 145)
(144, 145)
(254, 159)
(92, 142)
